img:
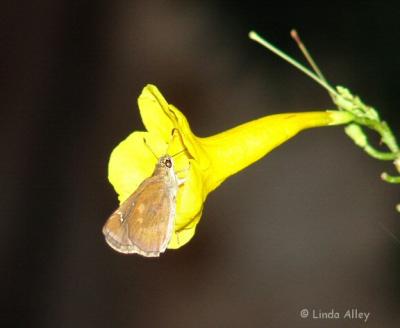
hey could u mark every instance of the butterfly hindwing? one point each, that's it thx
(143, 223)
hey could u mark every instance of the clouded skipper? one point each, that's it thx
(144, 222)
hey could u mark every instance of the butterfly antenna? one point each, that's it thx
(295, 36)
(147, 145)
(179, 152)
(172, 136)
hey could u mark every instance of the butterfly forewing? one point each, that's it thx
(144, 222)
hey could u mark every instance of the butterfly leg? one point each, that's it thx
(181, 181)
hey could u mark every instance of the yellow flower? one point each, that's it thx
(204, 162)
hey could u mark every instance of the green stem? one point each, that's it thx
(362, 114)
(255, 37)
(390, 178)
(383, 130)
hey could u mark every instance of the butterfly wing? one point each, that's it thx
(144, 222)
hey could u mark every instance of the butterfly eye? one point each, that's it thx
(168, 163)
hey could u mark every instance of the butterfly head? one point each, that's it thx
(166, 161)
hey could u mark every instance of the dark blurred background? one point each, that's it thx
(309, 226)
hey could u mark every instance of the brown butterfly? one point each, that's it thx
(144, 222)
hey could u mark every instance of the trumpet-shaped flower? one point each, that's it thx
(204, 163)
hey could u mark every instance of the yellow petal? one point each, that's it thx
(190, 141)
(235, 149)
(181, 237)
(132, 161)
(154, 112)
(190, 197)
